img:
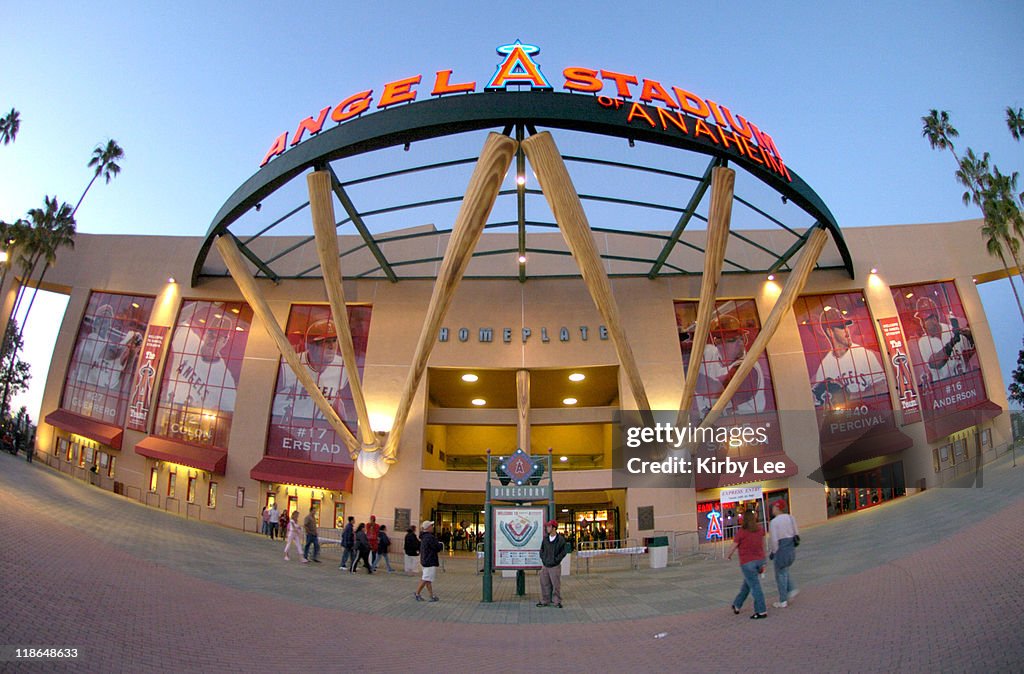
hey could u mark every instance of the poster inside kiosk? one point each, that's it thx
(518, 533)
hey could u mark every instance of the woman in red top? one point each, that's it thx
(749, 540)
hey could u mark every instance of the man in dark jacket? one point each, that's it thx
(412, 550)
(348, 544)
(429, 547)
(552, 551)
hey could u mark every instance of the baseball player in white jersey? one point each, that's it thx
(203, 379)
(106, 351)
(944, 347)
(848, 368)
(325, 364)
(721, 360)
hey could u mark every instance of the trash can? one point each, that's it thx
(657, 551)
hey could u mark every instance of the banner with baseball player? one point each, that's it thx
(298, 430)
(943, 355)
(105, 356)
(734, 327)
(200, 380)
(844, 363)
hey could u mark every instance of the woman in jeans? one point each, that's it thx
(749, 540)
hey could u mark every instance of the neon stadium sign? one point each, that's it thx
(639, 101)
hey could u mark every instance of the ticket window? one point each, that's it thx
(339, 515)
(190, 495)
(293, 505)
(271, 500)
(154, 475)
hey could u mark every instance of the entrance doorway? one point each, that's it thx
(866, 489)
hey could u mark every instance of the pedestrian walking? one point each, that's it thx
(429, 547)
(411, 549)
(749, 540)
(552, 551)
(373, 536)
(362, 549)
(383, 545)
(783, 537)
(273, 517)
(294, 535)
(312, 539)
(265, 516)
(282, 524)
(348, 544)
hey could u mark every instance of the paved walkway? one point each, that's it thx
(926, 582)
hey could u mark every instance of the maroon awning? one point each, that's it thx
(868, 446)
(330, 476)
(209, 459)
(937, 428)
(90, 428)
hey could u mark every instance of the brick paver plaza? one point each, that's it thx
(932, 582)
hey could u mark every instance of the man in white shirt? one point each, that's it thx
(944, 347)
(721, 360)
(107, 351)
(200, 378)
(291, 402)
(849, 371)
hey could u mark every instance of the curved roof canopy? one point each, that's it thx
(639, 189)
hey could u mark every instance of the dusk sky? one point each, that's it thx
(195, 92)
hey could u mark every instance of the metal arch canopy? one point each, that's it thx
(450, 115)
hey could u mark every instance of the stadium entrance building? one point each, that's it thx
(447, 270)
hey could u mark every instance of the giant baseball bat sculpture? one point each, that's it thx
(572, 220)
(722, 182)
(321, 206)
(252, 294)
(794, 285)
(477, 203)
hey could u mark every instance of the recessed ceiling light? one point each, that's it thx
(565, 510)
(563, 458)
(469, 377)
(569, 401)
(771, 277)
(577, 376)
(522, 259)
(479, 402)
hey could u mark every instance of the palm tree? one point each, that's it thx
(9, 125)
(13, 235)
(1015, 121)
(939, 131)
(53, 228)
(104, 161)
(993, 235)
(987, 188)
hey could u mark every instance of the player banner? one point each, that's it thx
(518, 533)
(847, 378)
(106, 353)
(298, 430)
(145, 373)
(734, 327)
(944, 358)
(200, 380)
(896, 349)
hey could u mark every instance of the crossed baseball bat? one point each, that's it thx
(480, 196)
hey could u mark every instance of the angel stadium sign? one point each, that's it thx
(638, 103)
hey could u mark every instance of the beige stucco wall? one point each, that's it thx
(903, 254)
